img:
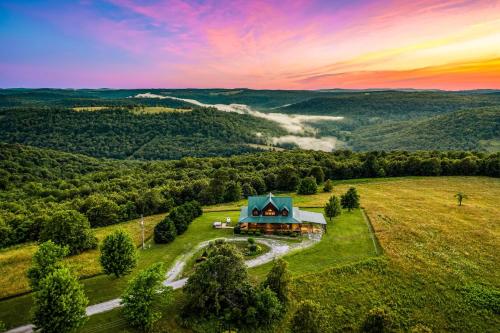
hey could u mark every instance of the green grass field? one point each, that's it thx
(435, 256)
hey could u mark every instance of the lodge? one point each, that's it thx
(271, 214)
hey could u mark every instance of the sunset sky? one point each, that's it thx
(287, 44)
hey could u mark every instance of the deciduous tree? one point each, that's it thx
(118, 254)
(307, 186)
(278, 280)
(45, 260)
(142, 294)
(71, 228)
(59, 303)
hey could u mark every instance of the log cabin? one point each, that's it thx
(271, 214)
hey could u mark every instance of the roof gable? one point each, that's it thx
(262, 201)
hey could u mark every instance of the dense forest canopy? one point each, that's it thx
(122, 133)
(36, 183)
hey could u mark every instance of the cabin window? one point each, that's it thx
(269, 212)
(255, 212)
(284, 212)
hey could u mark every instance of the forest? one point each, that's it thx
(122, 133)
(37, 183)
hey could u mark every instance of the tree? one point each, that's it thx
(318, 173)
(328, 186)
(288, 178)
(142, 293)
(350, 199)
(118, 254)
(268, 308)
(248, 190)
(308, 318)
(278, 280)
(307, 186)
(45, 260)
(100, 210)
(332, 207)
(233, 192)
(165, 231)
(71, 228)
(218, 284)
(180, 218)
(59, 303)
(460, 197)
(377, 320)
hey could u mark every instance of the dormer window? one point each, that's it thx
(284, 212)
(255, 212)
(269, 212)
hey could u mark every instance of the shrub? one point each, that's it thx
(118, 254)
(307, 186)
(237, 230)
(71, 228)
(251, 240)
(377, 320)
(419, 328)
(165, 231)
(253, 248)
(308, 318)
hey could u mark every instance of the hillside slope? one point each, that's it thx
(473, 129)
(121, 133)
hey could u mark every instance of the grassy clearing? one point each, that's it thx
(90, 108)
(15, 261)
(156, 110)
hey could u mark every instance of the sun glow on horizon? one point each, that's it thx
(431, 44)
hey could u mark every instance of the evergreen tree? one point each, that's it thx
(118, 254)
(45, 260)
(332, 207)
(142, 294)
(350, 199)
(165, 231)
(59, 303)
(328, 186)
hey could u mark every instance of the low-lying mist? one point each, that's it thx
(294, 124)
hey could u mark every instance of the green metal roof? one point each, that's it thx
(261, 201)
(294, 214)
